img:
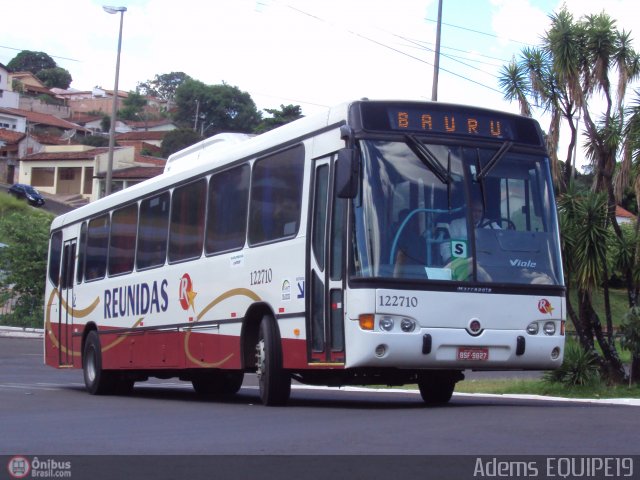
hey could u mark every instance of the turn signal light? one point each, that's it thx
(367, 321)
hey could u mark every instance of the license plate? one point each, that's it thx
(477, 354)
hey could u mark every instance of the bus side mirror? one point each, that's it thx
(347, 173)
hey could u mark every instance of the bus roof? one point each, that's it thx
(225, 148)
(202, 157)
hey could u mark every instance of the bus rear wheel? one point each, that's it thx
(96, 380)
(217, 383)
(436, 388)
(273, 380)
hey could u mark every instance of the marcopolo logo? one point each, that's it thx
(21, 467)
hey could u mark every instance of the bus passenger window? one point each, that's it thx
(82, 247)
(97, 243)
(227, 214)
(276, 196)
(124, 222)
(55, 254)
(186, 231)
(153, 231)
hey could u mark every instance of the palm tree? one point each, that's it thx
(574, 65)
(514, 82)
(585, 236)
(548, 77)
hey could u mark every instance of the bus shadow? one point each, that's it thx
(328, 399)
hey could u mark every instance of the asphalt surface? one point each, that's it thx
(47, 411)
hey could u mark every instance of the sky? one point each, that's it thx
(312, 53)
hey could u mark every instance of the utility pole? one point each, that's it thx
(436, 63)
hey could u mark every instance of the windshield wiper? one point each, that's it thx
(428, 158)
(502, 151)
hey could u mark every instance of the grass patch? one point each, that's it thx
(540, 387)
(619, 305)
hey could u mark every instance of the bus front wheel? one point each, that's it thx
(274, 381)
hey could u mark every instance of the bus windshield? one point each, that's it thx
(437, 212)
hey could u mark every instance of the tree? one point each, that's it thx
(28, 61)
(43, 67)
(585, 237)
(286, 114)
(630, 329)
(94, 140)
(132, 106)
(215, 108)
(534, 80)
(55, 77)
(178, 139)
(164, 86)
(105, 123)
(580, 58)
(24, 262)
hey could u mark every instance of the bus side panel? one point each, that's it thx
(122, 350)
(77, 349)
(50, 348)
(212, 350)
(163, 349)
(169, 350)
(294, 354)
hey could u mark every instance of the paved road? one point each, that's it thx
(46, 411)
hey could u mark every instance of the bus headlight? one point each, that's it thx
(407, 325)
(549, 328)
(533, 328)
(386, 324)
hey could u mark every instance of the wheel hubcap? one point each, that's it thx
(91, 367)
(260, 358)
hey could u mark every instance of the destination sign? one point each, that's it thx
(444, 119)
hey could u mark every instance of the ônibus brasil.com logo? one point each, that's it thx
(20, 467)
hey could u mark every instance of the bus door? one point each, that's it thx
(325, 317)
(65, 311)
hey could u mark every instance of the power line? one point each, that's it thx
(479, 32)
(52, 56)
(357, 34)
(420, 43)
(451, 57)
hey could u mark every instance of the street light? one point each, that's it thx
(114, 110)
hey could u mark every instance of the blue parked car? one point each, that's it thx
(30, 194)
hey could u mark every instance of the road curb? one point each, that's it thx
(21, 332)
(633, 402)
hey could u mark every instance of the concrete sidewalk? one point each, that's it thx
(20, 332)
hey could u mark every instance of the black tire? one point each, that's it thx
(96, 380)
(274, 381)
(222, 384)
(436, 388)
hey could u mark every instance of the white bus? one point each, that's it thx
(382, 243)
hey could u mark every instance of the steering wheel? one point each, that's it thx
(486, 223)
(405, 222)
